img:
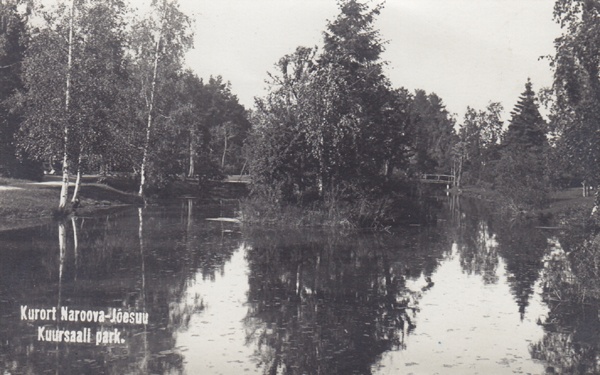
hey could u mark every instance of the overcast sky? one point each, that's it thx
(469, 52)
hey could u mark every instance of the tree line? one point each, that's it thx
(93, 86)
(96, 87)
(332, 121)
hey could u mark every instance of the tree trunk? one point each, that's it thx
(62, 246)
(192, 153)
(150, 109)
(64, 190)
(458, 173)
(386, 169)
(322, 167)
(224, 147)
(77, 180)
(75, 243)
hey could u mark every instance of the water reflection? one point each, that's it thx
(133, 260)
(572, 325)
(477, 243)
(483, 238)
(470, 294)
(330, 304)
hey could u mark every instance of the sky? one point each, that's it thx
(469, 52)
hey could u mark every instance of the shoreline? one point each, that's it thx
(27, 203)
(562, 204)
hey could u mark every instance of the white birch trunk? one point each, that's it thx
(321, 176)
(150, 109)
(64, 190)
(75, 243)
(224, 147)
(192, 151)
(77, 180)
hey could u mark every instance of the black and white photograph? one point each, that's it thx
(299, 187)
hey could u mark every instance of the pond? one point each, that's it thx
(166, 290)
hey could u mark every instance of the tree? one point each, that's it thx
(281, 157)
(98, 81)
(45, 103)
(358, 98)
(13, 44)
(161, 41)
(433, 134)
(522, 175)
(73, 84)
(527, 128)
(228, 124)
(331, 120)
(186, 113)
(479, 135)
(576, 64)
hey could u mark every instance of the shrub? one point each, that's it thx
(521, 181)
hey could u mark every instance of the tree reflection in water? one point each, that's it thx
(317, 302)
(570, 280)
(139, 260)
(483, 236)
(332, 304)
(476, 243)
(571, 286)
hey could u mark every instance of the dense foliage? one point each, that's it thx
(522, 176)
(13, 44)
(331, 123)
(96, 87)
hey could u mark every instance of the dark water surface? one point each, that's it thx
(469, 295)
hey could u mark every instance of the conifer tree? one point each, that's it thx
(522, 175)
(526, 128)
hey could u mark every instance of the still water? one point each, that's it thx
(163, 290)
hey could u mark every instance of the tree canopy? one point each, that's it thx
(332, 118)
(103, 89)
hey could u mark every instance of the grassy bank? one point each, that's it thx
(25, 203)
(562, 204)
(363, 213)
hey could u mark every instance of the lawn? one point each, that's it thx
(24, 203)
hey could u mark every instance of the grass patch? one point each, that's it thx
(363, 213)
(5, 181)
(23, 203)
(562, 204)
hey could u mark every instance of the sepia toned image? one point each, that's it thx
(299, 187)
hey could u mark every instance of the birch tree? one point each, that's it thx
(576, 65)
(45, 102)
(161, 41)
(99, 78)
(72, 74)
(331, 121)
(64, 189)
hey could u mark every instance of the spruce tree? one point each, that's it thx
(526, 128)
(522, 175)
